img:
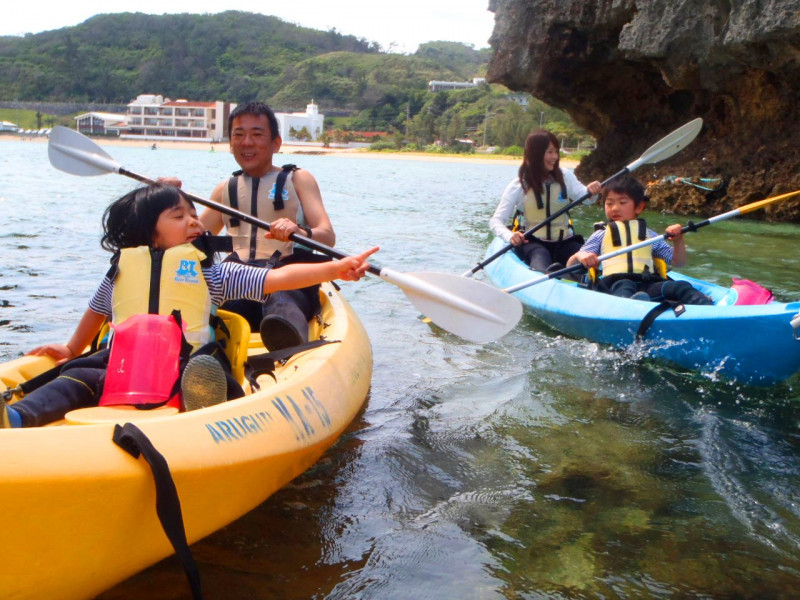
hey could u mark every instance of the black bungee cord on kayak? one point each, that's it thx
(168, 505)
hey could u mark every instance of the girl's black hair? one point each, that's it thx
(532, 174)
(628, 185)
(131, 221)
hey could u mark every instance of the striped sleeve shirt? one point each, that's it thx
(226, 281)
(660, 249)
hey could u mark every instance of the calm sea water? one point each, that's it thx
(534, 467)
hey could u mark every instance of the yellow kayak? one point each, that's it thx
(81, 511)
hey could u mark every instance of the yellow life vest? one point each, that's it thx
(620, 234)
(248, 241)
(158, 282)
(538, 207)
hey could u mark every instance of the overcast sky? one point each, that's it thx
(396, 26)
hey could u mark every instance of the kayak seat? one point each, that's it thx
(235, 336)
(659, 263)
(120, 413)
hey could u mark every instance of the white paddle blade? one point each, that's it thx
(669, 145)
(468, 308)
(74, 153)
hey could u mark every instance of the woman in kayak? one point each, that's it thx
(158, 242)
(642, 273)
(540, 190)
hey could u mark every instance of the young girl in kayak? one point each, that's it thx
(540, 190)
(157, 224)
(635, 274)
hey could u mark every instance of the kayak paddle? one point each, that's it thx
(473, 310)
(661, 150)
(686, 228)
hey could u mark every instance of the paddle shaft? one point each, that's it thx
(690, 226)
(232, 212)
(661, 150)
(470, 309)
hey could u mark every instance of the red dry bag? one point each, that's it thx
(144, 364)
(749, 292)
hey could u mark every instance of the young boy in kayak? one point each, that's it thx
(635, 274)
(157, 225)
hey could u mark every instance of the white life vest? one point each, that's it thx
(620, 234)
(248, 241)
(539, 206)
(158, 282)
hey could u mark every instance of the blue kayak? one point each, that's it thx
(756, 344)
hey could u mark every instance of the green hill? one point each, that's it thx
(238, 57)
(232, 56)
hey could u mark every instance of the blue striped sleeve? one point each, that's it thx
(101, 301)
(662, 249)
(594, 242)
(235, 281)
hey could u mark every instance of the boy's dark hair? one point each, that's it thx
(131, 221)
(628, 185)
(257, 109)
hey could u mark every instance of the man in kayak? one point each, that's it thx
(642, 273)
(289, 199)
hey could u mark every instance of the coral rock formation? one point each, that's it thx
(630, 71)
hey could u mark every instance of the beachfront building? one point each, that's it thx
(153, 117)
(8, 126)
(520, 98)
(301, 127)
(445, 86)
(100, 123)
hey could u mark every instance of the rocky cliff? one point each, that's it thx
(631, 71)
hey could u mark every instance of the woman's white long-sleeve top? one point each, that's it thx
(514, 198)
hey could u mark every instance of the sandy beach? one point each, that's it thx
(318, 151)
(322, 151)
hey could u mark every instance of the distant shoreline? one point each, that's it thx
(309, 150)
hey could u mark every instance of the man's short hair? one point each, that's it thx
(257, 109)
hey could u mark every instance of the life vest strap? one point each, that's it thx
(277, 202)
(233, 196)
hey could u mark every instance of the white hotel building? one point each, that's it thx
(153, 117)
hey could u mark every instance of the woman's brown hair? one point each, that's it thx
(531, 173)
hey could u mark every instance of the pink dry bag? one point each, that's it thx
(749, 292)
(144, 363)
